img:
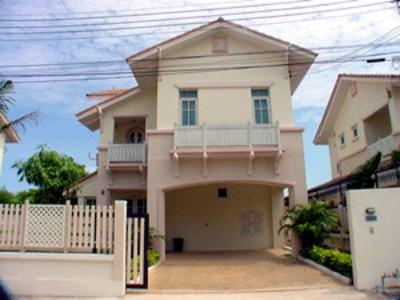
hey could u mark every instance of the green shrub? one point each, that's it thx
(153, 257)
(333, 259)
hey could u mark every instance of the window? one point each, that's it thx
(188, 107)
(89, 201)
(136, 136)
(355, 131)
(342, 140)
(137, 206)
(261, 106)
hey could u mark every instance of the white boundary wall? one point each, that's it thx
(69, 275)
(375, 244)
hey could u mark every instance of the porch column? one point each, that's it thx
(277, 213)
(159, 244)
(296, 244)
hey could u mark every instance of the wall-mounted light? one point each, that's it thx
(102, 192)
(370, 211)
(389, 92)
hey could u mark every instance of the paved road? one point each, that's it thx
(343, 293)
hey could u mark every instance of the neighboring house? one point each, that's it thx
(206, 142)
(362, 117)
(8, 135)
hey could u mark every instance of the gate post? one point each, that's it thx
(120, 242)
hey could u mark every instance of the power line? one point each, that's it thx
(192, 23)
(136, 15)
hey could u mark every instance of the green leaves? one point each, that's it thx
(313, 222)
(6, 87)
(362, 177)
(51, 172)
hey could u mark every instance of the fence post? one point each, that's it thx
(119, 241)
(24, 224)
(67, 228)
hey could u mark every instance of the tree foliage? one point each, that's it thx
(363, 176)
(314, 222)
(52, 173)
(6, 87)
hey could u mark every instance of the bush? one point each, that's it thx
(153, 257)
(333, 259)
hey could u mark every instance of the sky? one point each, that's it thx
(57, 51)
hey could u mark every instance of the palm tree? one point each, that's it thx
(6, 87)
(313, 222)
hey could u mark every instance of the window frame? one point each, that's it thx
(355, 132)
(188, 99)
(260, 98)
(342, 140)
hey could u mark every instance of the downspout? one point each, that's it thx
(100, 114)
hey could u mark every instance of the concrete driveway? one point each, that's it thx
(235, 271)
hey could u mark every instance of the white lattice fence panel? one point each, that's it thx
(45, 226)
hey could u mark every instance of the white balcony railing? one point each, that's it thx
(385, 145)
(227, 135)
(127, 153)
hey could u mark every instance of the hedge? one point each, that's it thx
(333, 259)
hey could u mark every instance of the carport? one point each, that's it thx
(224, 215)
(235, 271)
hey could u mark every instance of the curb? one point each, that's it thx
(336, 275)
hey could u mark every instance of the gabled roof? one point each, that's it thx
(144, 64)
(90, 117)
(11, 134)
(337, 97)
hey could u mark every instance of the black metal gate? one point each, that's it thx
(137, 245)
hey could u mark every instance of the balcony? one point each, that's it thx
(227, 140)
(205, 136)
(385, 145)
(127, 154)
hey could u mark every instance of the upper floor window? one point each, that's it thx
(342, 140)
(261, 106)
(355, 131)
(188, 107)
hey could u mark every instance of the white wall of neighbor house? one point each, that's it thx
(357, 106)
(207, 222)
(374, 242)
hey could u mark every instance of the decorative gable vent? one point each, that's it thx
(220, 45)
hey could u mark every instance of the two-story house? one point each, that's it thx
(206, 142)
(362, 117)
(8, 135)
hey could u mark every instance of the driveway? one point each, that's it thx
(235, 271)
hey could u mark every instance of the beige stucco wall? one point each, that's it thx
(227, 170)
(207, 222)
(374, 244)
(369, 97)
(223, 105)
(144, 104)
(89, 188)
